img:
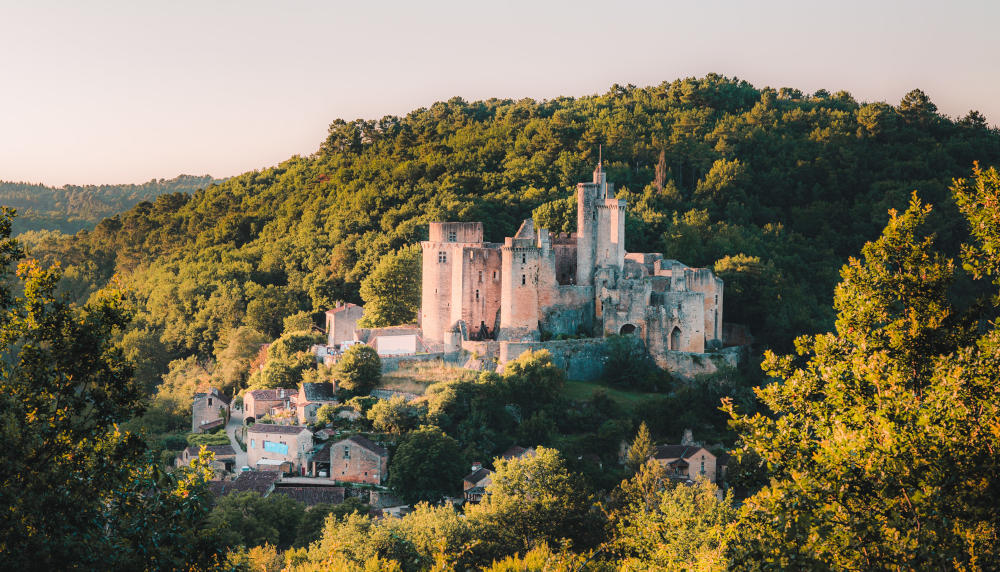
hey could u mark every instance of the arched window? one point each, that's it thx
(675, 339)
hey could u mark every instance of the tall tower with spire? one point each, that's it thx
(600, 226)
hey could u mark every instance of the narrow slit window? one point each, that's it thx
(477, 294)
(524, 280)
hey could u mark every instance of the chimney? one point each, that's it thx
(476, 465)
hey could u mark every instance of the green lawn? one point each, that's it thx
(581, 390)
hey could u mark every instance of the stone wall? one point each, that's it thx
(582, 359)
(353, 463)
(394, 363)
(687, 365)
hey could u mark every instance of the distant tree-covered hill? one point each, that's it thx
(773, 188)
(72, 208)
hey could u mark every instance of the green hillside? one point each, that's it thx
(72, 208)
(773, 188)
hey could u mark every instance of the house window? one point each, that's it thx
(347, 452)
(253, 443)
(494, 274)
(442, 257)
(524, 280)
(209, 401)
(452, 237)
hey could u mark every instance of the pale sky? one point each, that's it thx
(126, 91)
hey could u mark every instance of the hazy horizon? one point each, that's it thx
(114, 92)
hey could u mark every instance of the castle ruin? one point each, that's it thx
(538, 286)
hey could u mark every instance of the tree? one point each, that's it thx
(881, 445)
(233, 355)
(534, 499)
(311, 527)
(671, 526)
(359, 369)
(300, 322)
(428, 465)
(394, 415)
(76, 490)
(641, 449)
(248, 519)
(392, 290)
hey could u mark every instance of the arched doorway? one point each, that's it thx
(627, 330)
(675, 339)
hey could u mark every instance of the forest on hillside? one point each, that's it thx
(861, 237)
(71, 208)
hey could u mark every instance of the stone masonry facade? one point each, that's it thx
(538, 285)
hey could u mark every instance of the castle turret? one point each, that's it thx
(600, 227)
(521, 257)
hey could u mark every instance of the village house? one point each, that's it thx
(224, 462)
(686, 461)
(209, 411)
(310, 398)
(358, 460)
(283, 448)
(341, 323)
(261, 402)
(474, 484)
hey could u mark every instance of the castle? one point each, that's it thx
(539, 286)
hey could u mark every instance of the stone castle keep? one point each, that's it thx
(539, 286)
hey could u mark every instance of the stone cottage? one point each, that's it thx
(358, 460)
(310, 398)
(261, 402)
(283, 448)
(341, 323)
(686, 461)
(207, 409)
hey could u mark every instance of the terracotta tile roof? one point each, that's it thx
(311, 496)
(282, 429)
(271, 394)
(257, 481)
(341, 308)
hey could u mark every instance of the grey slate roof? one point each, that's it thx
(311, 496)
(282, 429)
(675, 451)
(367, 444)
(322, 391)
(219, 450)
(259, 482)
(476, 476)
